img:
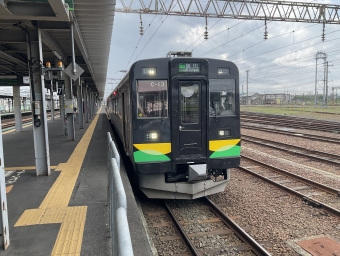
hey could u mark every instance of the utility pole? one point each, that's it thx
(335, 95)
(320, 78)
(247, 87)
(327, 85)
(303, 98)
(325, 89)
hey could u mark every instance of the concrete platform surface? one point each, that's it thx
(65, 213)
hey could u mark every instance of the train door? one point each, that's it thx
(189, 120)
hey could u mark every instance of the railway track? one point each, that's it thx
(220, 235)
(10, 123)
(292, 133)
(314, 193)
(287, 121)
(316, 155)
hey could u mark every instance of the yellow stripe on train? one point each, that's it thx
(215, 145)
(163, 148)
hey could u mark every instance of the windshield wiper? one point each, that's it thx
(213, 107)
(162, 111)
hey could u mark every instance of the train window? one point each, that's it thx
(190, 107)
(119, 107)
(115, 106)
(152, 99)
(222, 97)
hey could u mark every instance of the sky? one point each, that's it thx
(285, 62)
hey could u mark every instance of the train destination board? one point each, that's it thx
(189, 67)
(13, 80)
(9, 80)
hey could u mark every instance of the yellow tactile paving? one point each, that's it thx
(30, 217)
(71, 232)
(54, 208)
(53, 215)
(9, 188)
(60, 166)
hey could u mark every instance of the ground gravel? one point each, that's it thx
(295, 141)
(159, 227)
(272, 216)
(312, 170)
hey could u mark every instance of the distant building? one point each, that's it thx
(263, 99)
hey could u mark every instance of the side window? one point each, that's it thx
(222, 97)
(119, 106)
(152, 99)
(116, 106)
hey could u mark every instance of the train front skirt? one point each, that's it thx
(154, 186)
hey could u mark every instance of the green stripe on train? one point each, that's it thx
(234, 151)
(140, 156)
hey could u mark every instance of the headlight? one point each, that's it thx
(151, 136)
(224, 133)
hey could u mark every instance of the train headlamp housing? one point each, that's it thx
(149, 71)
(223, 71)
(152, 136)
(224, 133)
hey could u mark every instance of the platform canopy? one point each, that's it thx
(93, 23)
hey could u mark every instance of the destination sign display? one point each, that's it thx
(189, 67)
(8, 80)
(14, 80)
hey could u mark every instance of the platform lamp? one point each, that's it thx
(48, 71)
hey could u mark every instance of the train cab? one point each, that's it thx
(179, 120)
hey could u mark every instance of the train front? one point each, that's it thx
(187, 131)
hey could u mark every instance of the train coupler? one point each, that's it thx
(197, 172)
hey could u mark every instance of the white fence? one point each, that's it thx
(119, 228)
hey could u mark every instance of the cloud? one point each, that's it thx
(286, 60)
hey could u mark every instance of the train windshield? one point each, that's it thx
(152, 99)
(222, 97)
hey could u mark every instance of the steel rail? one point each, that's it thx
(294, 134)
(182, 232)
(245, 237)
(282, 123)
(314, 202)
(294, 122)
(290, 118)
(295, 176)
(9, 123)
(251, 244)
(307, 154)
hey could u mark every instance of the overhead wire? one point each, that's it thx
(272, 38)
(200, 37)
(278, 65)
(140, 38)
(285, 47)
(218, 34)
(154, 33)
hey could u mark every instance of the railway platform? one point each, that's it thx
(65, 213)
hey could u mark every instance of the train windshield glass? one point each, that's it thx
(152, 99)
(222, 97)
(190, 107)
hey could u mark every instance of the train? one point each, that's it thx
(179, 122)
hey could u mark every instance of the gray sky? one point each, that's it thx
(283, 62)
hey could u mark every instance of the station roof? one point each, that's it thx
(93, 23)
